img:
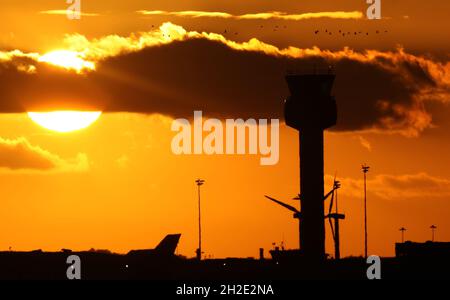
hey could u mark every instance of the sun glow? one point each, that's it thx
(64, 121)
(68, 59)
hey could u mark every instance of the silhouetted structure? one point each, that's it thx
(365, 169)
(433, 229)
(156, 263)
(166, 247)
(198, 252)
(311, 109)
(414, 261)
(297, 213)
(336, 216)
(403, 229)
(434, 250)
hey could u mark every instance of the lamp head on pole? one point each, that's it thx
(365, 168)
(199, 182)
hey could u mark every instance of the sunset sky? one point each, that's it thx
(117, 185)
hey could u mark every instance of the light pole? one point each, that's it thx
(403, 229)
(365, 169)
(433, 228)
(199, 183)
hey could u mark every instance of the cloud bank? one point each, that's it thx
(272, 15)
(65, 12)
(386, 186)
(173, 71)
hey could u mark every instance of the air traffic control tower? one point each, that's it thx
(311, 109)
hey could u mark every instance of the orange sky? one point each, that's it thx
(117, 185)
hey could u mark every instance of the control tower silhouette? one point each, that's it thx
(311, 109)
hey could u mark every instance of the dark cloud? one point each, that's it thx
(19, 155)
(373, 90)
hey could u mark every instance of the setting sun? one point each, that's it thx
(68, 60)
(64, 121)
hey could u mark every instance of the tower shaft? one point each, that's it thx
(312, 229)
(311, 109)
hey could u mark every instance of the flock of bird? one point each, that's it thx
(276, 28)
(316, 32)
(343, 33)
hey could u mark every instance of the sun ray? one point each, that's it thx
(70, 60)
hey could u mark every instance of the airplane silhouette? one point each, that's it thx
(165, 248)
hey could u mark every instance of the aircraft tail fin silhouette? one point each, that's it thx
(169, 244)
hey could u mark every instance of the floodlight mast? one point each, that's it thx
(365, 168)
(199, 183)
